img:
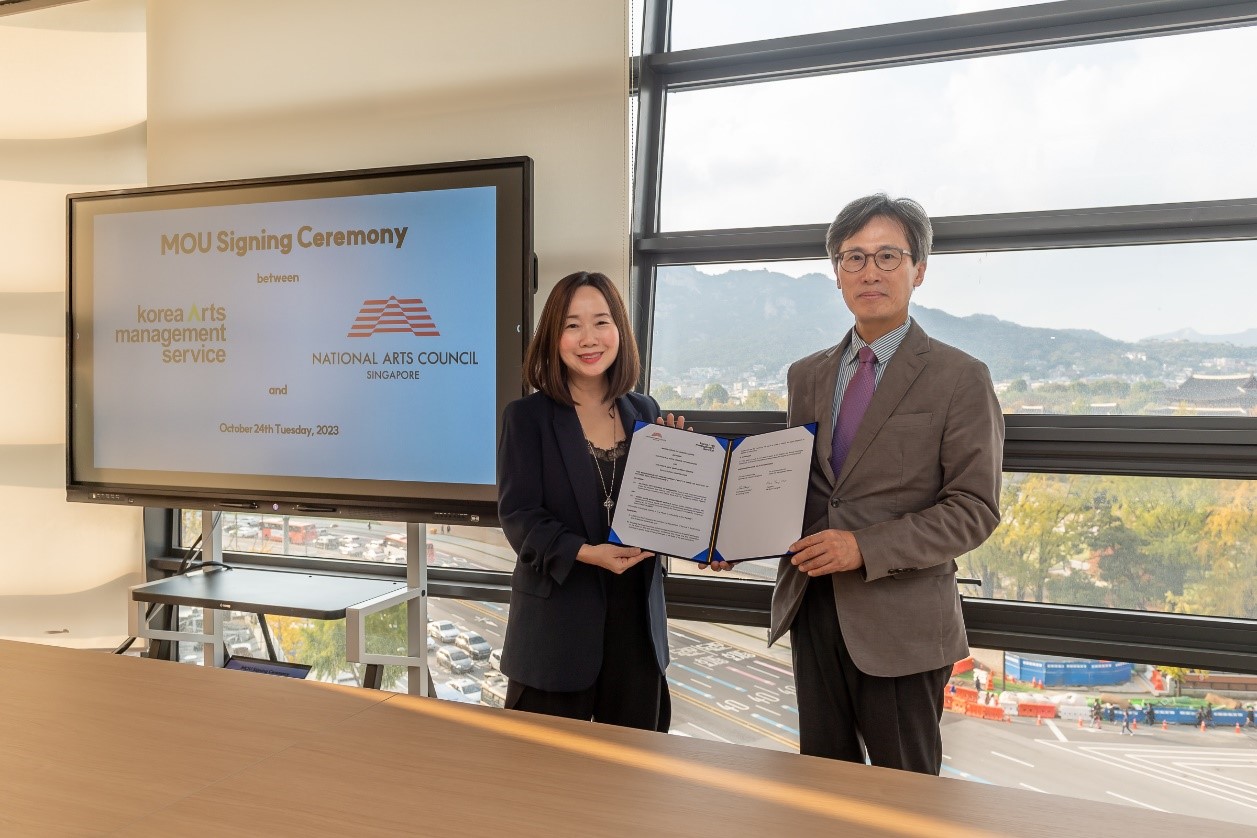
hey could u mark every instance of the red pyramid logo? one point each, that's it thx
(392, 316)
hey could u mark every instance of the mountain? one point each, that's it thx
(747, 323)
(1248, 337)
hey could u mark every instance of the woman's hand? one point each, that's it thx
(672, 421)
(718, 566)
(614, 557)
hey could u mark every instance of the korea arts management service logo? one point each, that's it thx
(393, 316)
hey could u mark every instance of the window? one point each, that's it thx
(705, 23)
(1095, 331)
(1083, 126)
(257, 536)
(1142, 543)
(1092, 249)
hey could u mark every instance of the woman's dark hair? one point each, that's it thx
(544, 369)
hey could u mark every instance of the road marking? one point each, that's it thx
(707, 732)
(774, 724)
(1132, 800)
(677, 683)
(752, 677)
(767, 710)
(794, 710)
(1013, 759)
(707, 707)
(946, 757)
(682, 636)
(1200, 785)
(711, 677)
(1032, 788)
(1056, 731)
(964, 775)
(778, 669)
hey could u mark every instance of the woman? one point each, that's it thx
(587, 637)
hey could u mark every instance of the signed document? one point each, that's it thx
(710, 498)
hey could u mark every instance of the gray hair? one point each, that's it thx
(911, 216)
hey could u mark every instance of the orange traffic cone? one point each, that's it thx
(1080, 722)
(1202, 727)
(1238, 732)
(1134, 724)
(1038, 721)
(1165, 725)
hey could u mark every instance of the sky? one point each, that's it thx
(1155, 120)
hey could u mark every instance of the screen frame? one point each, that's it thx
(422, 502)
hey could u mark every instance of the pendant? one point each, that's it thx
(607, 504)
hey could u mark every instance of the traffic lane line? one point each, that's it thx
(1132, 800)
(1013, 759)
(727, 716)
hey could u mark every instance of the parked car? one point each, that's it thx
(350, 545)
(466, 690)
(327, 542)
(474, 645)
(431, 644)
(454, 659)
(372, 553)
(495, 659)
(247, 531)
(442, 630)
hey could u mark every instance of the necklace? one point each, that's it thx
(607, 488)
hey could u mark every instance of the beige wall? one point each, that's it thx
(72, 112)
(115, 93)
(245, 89)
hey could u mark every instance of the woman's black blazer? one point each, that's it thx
(550, 504)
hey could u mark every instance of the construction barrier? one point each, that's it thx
(1187, 716)
(965, 694)
(985, 711)
(1045, 711)
(1073, 673)
(1073, 712)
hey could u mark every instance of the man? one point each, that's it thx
(905, 478)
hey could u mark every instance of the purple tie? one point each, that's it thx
(855, 401)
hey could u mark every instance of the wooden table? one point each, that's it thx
(98, 744)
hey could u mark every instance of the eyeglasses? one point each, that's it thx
(886, 258)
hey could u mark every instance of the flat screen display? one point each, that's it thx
(337, 344)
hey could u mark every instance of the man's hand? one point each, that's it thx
(827, 551)
(614, 557)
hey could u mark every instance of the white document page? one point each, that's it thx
(765, 493)
(667, 502)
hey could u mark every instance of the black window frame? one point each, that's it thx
(1113, 445)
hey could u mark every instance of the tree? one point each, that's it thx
(1044, 525)
(714, 394)
(1179, 673)
(1228, 584)
(1168, 518)
(666, 395)
(322, 645)
(763, 400)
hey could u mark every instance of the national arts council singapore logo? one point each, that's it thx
(393, 316)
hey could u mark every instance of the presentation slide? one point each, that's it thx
(346, 337)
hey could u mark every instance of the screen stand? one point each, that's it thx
(415, 595)
(418, 678)
(215, 648)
